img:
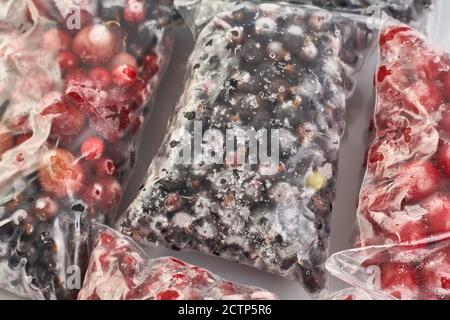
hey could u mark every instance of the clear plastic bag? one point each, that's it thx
(120, 270)
(254, 67)
(404, 197)
(76, 78)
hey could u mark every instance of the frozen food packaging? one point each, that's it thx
(262, 77)
(404, 212)
(76, 80)
(120, 270)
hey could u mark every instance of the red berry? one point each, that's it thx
(437, 215)
(67, 61)
(123, 58)
(104, 193)
(443, 157)
(383, 72)
(420, 179)
(124, 75)
(67, 120)
(107, 240)
(167, 295)
(101, 77)
(425, 94)
(95, 44)
(60, 174)
(55, 40)
(398, 279)
(447, 85)
(105, 167)
(135, 11)
(74, 77)
(6, 140)
(46, 208)
(92, 148)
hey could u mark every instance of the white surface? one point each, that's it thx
(350, 168)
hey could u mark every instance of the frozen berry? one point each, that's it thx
(413, 231)
(67, 120)
(92, 148)
(104, 193)
(6, 140)
(55, 40)
(420, 179)
(124, 75)
(425, 94)
(60, 174)
(95, 44)
(443, 157)
(398, 279)
(46, 208)
(150, 66)
(105, 167)
(123, 58)
(437, 214)
(101, 77)
(135, 11)
(67, 61)
(76, 76)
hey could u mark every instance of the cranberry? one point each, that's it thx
(6, 140)
(67, 120)
(398, 279)
(443, 157)
(46, 208)
(105, 167)
(76, 76)
(135, 11)
(95, 44)
(124, 75)
(420, 180)
(92, 148)
(167, 295)
(101, 77)
(104, 193)
(67, 61)
(425, 94)
(56, 40)
(60, 174)
(437, 215)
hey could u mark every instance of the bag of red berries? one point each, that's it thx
(76, 81)
(265, 75)
(120, 270)
(404, 205)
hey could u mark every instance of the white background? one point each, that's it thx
(359, 112)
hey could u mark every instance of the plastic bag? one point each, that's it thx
(253, 82)
(76, 78)
(120, 270)
(351, 294)
(404, 196)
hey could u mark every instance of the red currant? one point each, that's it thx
(95, 44)
(92, 148)
(67, 61)
(101, 77)
(104, 193)
(105, 167)
(135, 11)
